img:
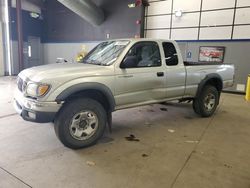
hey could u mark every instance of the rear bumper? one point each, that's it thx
(35, 111)
(228, 83)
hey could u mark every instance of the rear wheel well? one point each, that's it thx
(216, 82)
(213, 81)
(92, 94)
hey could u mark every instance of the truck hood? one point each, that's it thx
(65, 70)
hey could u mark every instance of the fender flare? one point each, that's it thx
(88, 86)
(208, 78)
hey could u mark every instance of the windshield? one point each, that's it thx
(105, 53)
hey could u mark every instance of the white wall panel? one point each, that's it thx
(217, 4)
(218, 21)
(242, 32)
(241, 3)
(160, 34)
(187, 5)
(213, 18)
(161, 7)
(51, 51)
(185, 34)
(154, 22)
(242, 16)
(213, 33)
(187, 20)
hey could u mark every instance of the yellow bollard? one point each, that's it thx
(248, 89)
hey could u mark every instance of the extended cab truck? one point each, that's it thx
(80, 97)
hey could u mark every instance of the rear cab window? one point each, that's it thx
(171, 56)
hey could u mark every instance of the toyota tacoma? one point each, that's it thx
(79, 98)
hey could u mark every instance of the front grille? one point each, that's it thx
(24, 86)
(21, 85)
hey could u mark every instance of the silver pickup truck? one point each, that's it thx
(80, 97)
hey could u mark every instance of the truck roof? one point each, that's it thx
(143, 39)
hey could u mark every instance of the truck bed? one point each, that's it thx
(195, 72)
(193, 63)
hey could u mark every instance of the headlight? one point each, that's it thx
(31, 89)
(37, 90)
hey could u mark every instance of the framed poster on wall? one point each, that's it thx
(212, 54)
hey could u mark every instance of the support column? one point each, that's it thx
(5, 60)
(19, 33)
(144, 4)
(1, 50)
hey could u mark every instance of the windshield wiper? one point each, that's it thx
(94, 63)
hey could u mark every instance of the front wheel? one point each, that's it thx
(80, 123)
(206, 103)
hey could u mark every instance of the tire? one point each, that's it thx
(196, 106)
(80, 123)
(206, 103)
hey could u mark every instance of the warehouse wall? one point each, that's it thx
(31, 27)
(236, 53)
(200, 20)
(67, 51)
(63, 25)
(65, 32)
(205, 23)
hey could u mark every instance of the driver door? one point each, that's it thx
(141, 78)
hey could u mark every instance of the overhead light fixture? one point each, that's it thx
(178, 13)
(34, 15)
(131, 5)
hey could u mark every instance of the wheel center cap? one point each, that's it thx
(83, 124)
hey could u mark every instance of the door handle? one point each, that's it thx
(160, 74)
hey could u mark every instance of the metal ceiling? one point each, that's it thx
(86, 9)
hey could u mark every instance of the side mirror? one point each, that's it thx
(61, 60)
(129, 62)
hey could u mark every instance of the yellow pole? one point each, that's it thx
(248, 89)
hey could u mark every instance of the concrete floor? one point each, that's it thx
(176, 149)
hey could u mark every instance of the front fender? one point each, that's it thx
(88, 86)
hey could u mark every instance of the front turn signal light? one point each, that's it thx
(42, 89)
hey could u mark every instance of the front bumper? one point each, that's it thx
(33, 110)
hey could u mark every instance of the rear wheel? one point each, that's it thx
(206, 103)
(80, 123)
(196, 106)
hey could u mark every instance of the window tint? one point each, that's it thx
(171, 56)
(143, 54)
